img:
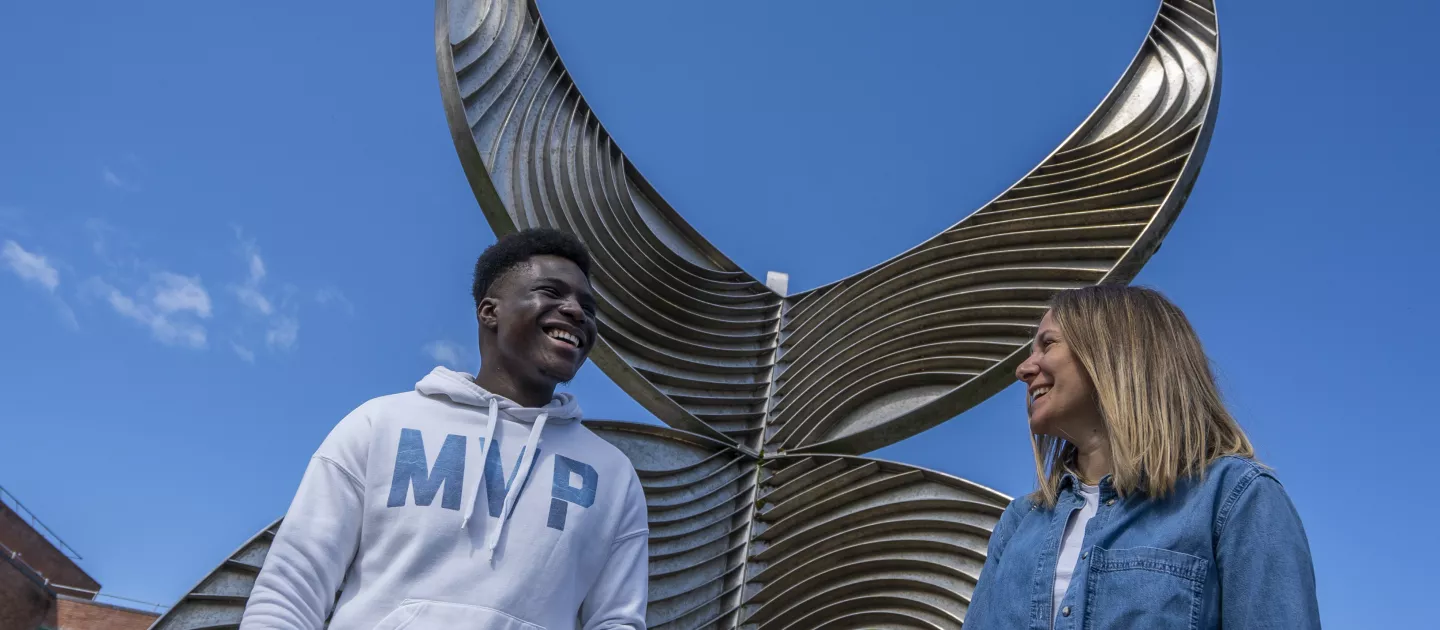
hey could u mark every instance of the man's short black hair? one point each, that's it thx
(513, 250)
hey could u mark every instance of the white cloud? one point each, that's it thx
(283, 333)
(257, 265)
(30, 267)
(67, 314)
(254, 299)
(36, 269)
(332, 295)
(247, 355)
(446, 353)
(176, 293)
(249, 293)
(168, 306)
(111, 244)
(282, 324)
(114, 180)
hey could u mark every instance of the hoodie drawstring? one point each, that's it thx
(527, 457)
(468, 501)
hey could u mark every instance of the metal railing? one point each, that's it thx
(13, 557)
(55, 587)
(9, 499)
(103, 597)
(35, 523)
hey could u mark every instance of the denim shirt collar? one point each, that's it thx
(1070, 483)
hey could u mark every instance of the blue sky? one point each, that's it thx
(224, 225)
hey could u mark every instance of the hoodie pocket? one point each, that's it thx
(419, 614)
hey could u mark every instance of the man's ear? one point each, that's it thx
(485, 313)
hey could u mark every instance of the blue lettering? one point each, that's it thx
(411, 467)
(561, 492)
(494, 477)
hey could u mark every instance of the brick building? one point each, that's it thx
(42, 587)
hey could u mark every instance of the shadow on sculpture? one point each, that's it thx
(762, 514)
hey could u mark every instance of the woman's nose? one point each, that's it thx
(1027, 370)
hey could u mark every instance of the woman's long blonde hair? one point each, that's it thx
(1155, 389)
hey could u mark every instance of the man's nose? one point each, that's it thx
(572, 309)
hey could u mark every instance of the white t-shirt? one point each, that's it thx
(1070, 544)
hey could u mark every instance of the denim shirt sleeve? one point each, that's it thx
(999, 537)
(1266, 576)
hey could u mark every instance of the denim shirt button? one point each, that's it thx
(1084, 555)
(1110, 502)
(1065, 612)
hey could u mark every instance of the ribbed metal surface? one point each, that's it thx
(899, 348)
(701, 497)
(796, 542)
(218, 601)
(866, 361)
(853, 542)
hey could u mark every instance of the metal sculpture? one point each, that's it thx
(761, 514)
(791, 541)
(854, 365)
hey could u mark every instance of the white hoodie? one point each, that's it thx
(397, 513)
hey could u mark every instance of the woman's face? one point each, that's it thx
(1059, 394)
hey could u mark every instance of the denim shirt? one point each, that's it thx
(1223, 551)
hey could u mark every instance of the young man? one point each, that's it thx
(473, 502)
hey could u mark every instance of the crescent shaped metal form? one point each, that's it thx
(787, 542)
(762, 515)
(863, 362)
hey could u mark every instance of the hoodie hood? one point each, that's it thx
(462, 389)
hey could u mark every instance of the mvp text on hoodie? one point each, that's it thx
(451, 507)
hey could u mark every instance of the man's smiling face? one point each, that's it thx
(543, 315)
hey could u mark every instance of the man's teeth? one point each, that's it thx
(564, 336)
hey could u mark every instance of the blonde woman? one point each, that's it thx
(1151, 510)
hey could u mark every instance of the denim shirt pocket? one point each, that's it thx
(1144, 587)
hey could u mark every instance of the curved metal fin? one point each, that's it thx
(871, 359)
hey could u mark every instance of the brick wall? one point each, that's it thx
(42, 556)
(80, 614)
(25, 603)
